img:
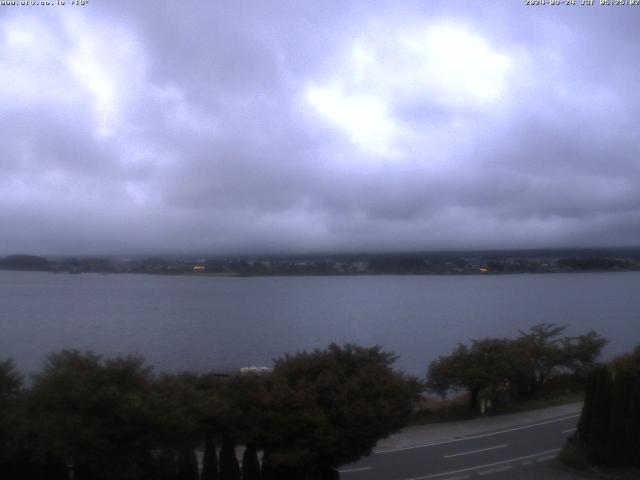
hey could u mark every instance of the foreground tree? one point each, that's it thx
(176, 404)
(187, 464)
(523, 365)
(209, 459)
(10, 384)
(242, 413)
(250, 463)
(626, 409)
(595, 421)
(229, 467)
(92, 418)
(328, 408)
(608, 429)
(90, 414)
(546, 352)
(481, 367)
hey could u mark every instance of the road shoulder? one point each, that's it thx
(441, 432)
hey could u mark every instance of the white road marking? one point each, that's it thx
(526, 462)
(469, 452)
(496, 470)
(473, 437)
(569, 430)
(459, 477)
(478, 467)
(545, 459)
(360, 469)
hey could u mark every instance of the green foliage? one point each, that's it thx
(209, 459)
(542, 348)
(546, 352)
(610, 420)
(267, 470)
(626, 409)
(91, 413)
(250, 463)
(164, 466)
(98, 418)
(177, 407)
(330, 407)
(484, 366)
(242, 407)
(187, 464)
(520, 366)
(229, 468)
(10, 384)
(595, 421)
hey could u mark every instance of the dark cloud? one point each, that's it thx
(294, 126)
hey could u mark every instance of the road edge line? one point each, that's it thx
(480, 435)
(469, 469)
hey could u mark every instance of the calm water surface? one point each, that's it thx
(202, 323)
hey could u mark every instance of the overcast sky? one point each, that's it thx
(311, 126)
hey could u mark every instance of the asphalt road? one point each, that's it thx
(514, 452)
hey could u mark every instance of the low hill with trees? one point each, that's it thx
(24, 262)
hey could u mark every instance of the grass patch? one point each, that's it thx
(435, 410)
(539, 402)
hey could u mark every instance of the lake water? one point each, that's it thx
(202, 323)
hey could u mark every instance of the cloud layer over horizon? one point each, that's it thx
(295, 126)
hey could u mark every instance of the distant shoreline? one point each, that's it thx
(335, 274)
(460, 263)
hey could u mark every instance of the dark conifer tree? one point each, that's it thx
(55, 470)
(610, 420)
(633, 419)
(625, 415)
(229, 468)
(165, 466)
(250, 464)
(209, 459)
(187, 464)
(267, 467)
(83, 471)
(10, 413)
(595, 422)
(621, 436)
(26, 467)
